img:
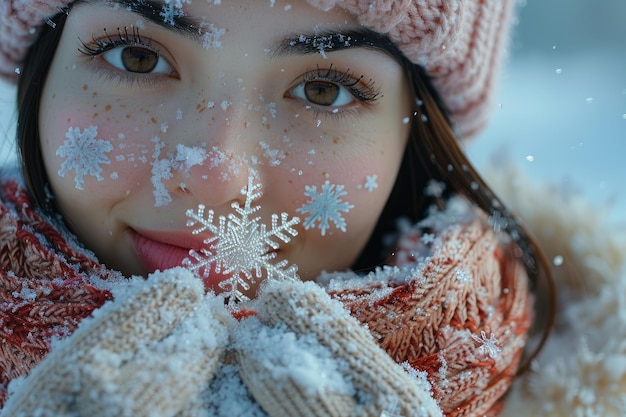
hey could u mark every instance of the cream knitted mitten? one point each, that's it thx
(145, 354)
(352, 375)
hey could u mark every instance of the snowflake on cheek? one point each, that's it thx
(241, 246)
(325, 207)
(84, 154)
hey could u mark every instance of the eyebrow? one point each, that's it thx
(333, 41)
(159, 13)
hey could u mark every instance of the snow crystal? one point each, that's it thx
(275, 156)
(435, 188)
(427, 238)
(211, 36)
(171, 10)
(497, 221)
(271, 107)
(370, 182)
(325, 206)
(189, 156)
(463, 275)
(161, 170)
(240, 245)
(179, 114)
(84, 154)
(225, 104)
(488, 345)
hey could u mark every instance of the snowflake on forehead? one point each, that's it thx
(84, 154)
(241, 246)
(325, 207)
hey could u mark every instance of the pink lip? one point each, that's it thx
(161, 250)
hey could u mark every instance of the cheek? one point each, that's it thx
(338, 182)
(90, 146)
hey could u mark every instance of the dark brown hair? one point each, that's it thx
(433, 153)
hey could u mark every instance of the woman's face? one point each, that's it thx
(152, 109)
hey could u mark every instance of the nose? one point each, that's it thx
(215, 162)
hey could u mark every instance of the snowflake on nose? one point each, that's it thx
(84, 154)
(241, 246)
(325, 207)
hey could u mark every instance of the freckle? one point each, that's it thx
(154, 120)
(94, 94)
(85, 86)
(69, 120)
(202, 109)
(94, 115)
(107, 107)
(128, 116)
(335, 140)
(245, 125)
(267, 126)
(286, 131)
(198, 107)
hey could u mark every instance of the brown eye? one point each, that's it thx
(321, 93)
(136, 59)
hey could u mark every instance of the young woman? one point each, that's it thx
(256, 146)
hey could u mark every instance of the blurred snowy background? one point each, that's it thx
(561, 103)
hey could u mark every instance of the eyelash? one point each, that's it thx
(107, 42)
(362, 92)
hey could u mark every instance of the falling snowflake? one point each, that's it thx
(427, 238)
(435, 188)
(370, 183)
(241, 246)
(84, 154)
(489, 345)
(325, 206)
(497, 221)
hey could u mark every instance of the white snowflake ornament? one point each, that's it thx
(240, 246)
(84, 154)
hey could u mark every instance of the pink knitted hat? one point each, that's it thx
(458, 42)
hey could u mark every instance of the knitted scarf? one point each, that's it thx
(454, 304)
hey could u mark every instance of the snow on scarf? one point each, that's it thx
(453, 305)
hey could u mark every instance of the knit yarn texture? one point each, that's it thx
(453, 307)
(459, 42)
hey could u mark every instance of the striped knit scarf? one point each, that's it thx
(453, 304)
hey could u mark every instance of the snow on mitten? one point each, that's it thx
(145, 354)
(348, 373)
